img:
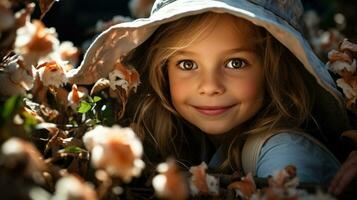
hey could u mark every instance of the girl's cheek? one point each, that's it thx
(250, 89)
(178, 88)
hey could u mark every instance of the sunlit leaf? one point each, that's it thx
(10, 106)
(72, 149)
(29, 119)
(96, 99)
(84, 107)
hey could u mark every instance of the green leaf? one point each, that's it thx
(72, 149)
(84, 107)
(30, 120)
(96, 99)
(10, 106)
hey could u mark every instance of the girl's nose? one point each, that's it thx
(211, 84)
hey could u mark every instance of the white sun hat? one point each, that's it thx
(282, 18)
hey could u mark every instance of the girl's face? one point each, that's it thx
(216, 83)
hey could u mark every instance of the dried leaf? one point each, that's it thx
(48, 113)
(348, 46)
(100, 85)
(60, 95)
(121, 95)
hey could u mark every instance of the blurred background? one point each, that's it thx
(77, 20)
(328, 22)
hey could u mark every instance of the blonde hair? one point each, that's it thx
(286, 103)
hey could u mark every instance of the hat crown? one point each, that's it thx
(289, 10)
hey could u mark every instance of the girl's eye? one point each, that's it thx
(187, 64)
(236, 63)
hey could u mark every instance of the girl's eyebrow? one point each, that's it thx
(228, 51)
(240, 49)
(185, 52)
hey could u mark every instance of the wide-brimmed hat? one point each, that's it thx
(282, 18)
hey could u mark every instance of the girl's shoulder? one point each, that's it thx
(314, 162)
(291, 137)
(295, 143)
(283, 138)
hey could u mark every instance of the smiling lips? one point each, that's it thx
(212, 110)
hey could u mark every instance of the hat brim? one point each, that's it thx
(119, 39)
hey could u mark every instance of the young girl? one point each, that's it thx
(231, 83)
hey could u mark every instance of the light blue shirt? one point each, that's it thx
(314, 164)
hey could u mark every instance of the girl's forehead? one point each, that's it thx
(240, 25)
(205, 24)
(224, 18)
(230, 28)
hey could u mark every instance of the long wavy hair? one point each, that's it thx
(286, 103)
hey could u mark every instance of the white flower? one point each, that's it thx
(116, 78)
(170, 183)
(38, 193)
(285, 178)
(16, 150)
(25, 34)
(244, 188)
(201, 182)
(75, 95)
(117, 150)
(337, 66)
(70, 187)
(52, 73)
(15, 79)
(124, 77)
(34, 41)
(348, 90)
(69, 52)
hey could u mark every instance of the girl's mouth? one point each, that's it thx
(212, 110)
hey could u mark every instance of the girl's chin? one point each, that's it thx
(220, 130)
(214, 131)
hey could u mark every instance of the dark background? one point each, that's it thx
(74, 20)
